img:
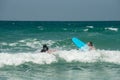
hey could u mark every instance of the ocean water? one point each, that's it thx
(21, 42)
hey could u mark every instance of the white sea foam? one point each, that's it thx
(20, 58)
(67, 56)
(12, 44)
(111, 28)
(65, 29)
(85, 30)
(33, 43)
(90, 26)
(25, 45)
(3, 43)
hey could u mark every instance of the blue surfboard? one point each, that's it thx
(80, 44)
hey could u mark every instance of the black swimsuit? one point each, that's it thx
(44, 49)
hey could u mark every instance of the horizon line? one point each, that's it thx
(64, 20)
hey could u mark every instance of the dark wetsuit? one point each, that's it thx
(45, 48)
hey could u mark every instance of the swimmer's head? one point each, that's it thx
(90, 43)
(44, 46)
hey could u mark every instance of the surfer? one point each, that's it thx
(91, 46)
(45, 48)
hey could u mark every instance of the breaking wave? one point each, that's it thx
(70, 56)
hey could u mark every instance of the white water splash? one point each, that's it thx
(20, 58)
(85, 30)
(90, 26)
(112, 29)
(67, 56)
(33, 43)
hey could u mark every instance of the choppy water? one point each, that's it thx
(21, 42)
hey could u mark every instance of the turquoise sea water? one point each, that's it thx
(21, 42)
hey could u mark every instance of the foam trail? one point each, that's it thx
(85, 30)
(112, 29)
(90, 26)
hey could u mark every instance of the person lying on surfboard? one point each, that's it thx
(83, 46)
(91, 46)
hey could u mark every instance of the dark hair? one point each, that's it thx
(45, 48)
(44, 45)
(91, 43)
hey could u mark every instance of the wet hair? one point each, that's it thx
(91, 44)
(45, 48)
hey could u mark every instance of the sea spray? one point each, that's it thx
(54, 57)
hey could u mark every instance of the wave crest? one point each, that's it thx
(56, 57)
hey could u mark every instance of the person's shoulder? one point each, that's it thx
(93, 47)
(51, 51)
